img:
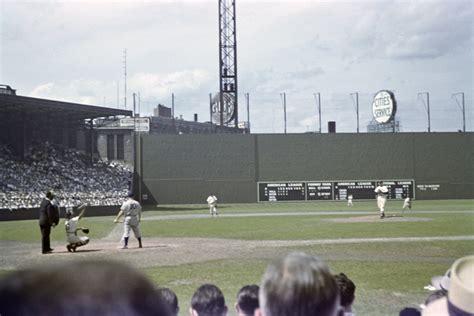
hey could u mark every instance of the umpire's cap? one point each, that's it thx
(50, 195)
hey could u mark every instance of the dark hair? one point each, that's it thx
(247, 299)
(409, 311)
(208, 300)
(79, 288)
(49, 195)
(346, 289)
(435, 295)
(298, 285)
(170, 299)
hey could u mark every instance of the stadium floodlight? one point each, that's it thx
(461, 107)
(357, 107)
(317, 96)
(426, 105)
(283, 96)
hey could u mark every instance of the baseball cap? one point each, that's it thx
(130, 194)
(459, 301)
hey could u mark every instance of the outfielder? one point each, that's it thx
(212, 202)
(349, 200)
(132, 212)
(381, 194)
(407, 203)
(71, 223)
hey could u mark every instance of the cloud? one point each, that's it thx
(83, 91)
(411, 30)
(42, 90)
(160, 85)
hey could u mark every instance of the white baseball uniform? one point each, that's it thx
(212, 202)
(407, 203)
(131, 211)
(382, 193)
(72, 238)
(349, 200)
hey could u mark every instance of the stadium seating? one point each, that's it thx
(66, 172)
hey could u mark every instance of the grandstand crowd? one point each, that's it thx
(65, 171)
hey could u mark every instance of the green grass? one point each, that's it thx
(391, 274)
(388, 275)
(309, 227)
(28, 230)
(359, 205)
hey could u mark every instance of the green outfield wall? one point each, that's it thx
(186, 168)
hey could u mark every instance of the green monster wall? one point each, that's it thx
(180, 169)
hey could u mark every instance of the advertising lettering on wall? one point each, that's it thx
(384, 106)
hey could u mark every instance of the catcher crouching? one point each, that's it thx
(72, 228)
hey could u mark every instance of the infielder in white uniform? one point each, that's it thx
(132, 212)
(212, 202)
(407, 203)
(72, 228)
(381, 194)
(349, 200)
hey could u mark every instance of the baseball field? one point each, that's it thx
(390, 260)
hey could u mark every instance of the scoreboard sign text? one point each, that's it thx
(282, 191)
(332, 190)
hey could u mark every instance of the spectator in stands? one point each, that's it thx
(247, 300)
(208, 300)
(299, 285)
(79, 288)
(346, 293)
(170, 300)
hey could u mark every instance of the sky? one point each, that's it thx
(74, 51)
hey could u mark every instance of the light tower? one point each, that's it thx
(227, 111)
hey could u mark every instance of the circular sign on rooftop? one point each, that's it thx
(384, 106)
(229, 106)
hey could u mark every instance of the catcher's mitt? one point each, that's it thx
(85, 230)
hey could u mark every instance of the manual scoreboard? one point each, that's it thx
(332, 190)
(319, 191)
(282, 191)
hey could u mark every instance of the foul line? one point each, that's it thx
(387, 239)
(375, 213)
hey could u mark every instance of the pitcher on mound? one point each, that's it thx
(381, 192)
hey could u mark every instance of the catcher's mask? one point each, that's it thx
(69, 212)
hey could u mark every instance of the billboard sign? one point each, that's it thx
(384, 106)
(141, 124)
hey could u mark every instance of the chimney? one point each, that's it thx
(331, 127)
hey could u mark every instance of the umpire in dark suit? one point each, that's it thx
(49, 216)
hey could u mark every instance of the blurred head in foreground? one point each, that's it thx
(299, 285)
(79, 288)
